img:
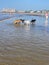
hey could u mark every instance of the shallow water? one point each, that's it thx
(24, 45)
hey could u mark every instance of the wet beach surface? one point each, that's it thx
(24, 45)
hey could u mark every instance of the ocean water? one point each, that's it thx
(23, 44)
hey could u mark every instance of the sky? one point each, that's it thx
(25, 4)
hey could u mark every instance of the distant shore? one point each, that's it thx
(31, 14)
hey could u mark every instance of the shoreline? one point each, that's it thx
(25, 13)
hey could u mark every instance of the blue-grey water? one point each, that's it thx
(23, 44)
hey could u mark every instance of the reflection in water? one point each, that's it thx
(27, 27)
(46, 22)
